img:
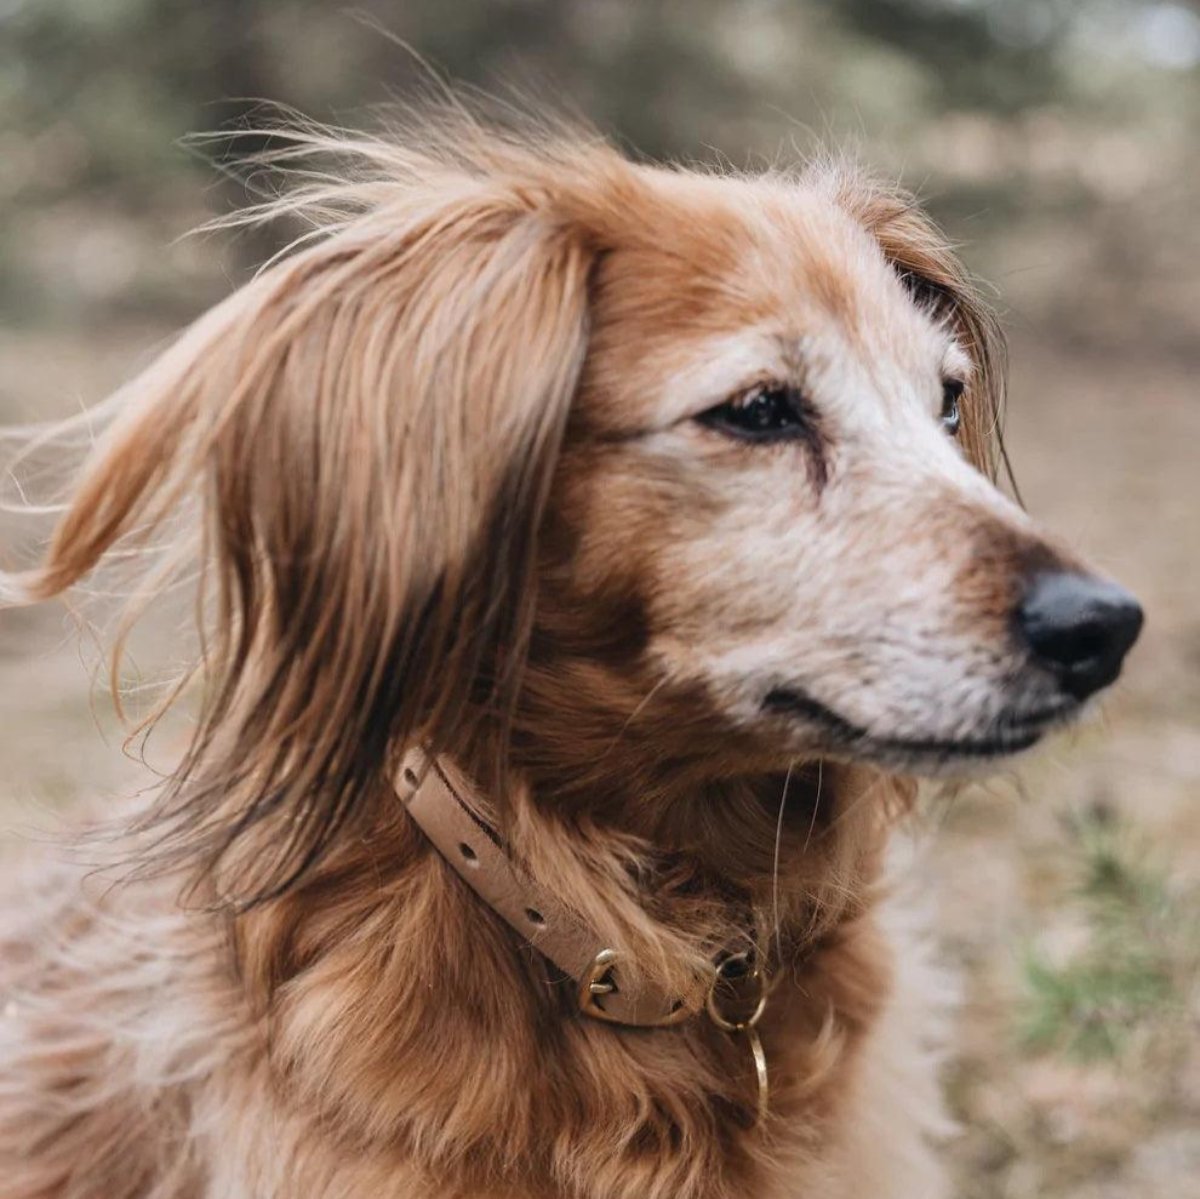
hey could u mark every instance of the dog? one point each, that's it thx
(641, 522)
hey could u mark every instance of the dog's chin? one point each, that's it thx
(971, 753)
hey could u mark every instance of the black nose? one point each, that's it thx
(1079, 627)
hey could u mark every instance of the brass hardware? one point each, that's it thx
(760, 1071)
(733, 970)
(598, 981)
(738, 970)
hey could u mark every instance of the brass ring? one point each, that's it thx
(712, 1002)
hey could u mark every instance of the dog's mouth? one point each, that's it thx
(1009, 734)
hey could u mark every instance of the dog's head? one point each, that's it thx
(536, 434)
(780, 460)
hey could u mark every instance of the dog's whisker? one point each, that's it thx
(776, 924)
(637, 711)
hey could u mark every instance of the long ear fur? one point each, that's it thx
(928, 265)
(370, 427)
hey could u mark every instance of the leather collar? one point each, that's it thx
(446, 807)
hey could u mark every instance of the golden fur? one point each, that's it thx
(448, 489)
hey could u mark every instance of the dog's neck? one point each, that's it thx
(388, 963)
(691, 850)
(610, 985)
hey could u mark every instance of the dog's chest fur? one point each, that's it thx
(395, 1062)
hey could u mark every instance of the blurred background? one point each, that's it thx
(1059, 143)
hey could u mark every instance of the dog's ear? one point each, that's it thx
(936, 277)
(371, 428)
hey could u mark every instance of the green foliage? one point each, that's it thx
(1129, 976)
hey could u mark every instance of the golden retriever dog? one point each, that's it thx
(641, 519)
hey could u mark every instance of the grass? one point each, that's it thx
(1127, 979)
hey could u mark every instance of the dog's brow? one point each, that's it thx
(956, 362)
(718, 368)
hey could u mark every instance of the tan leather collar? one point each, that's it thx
(442, 802)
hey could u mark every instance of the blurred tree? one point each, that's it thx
(998, 57)
(997, 104)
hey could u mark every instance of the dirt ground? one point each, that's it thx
(1104, 449)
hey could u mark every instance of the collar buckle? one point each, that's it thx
(599, 980)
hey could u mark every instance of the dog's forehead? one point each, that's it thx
(741, 274)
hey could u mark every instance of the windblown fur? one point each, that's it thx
(440, 495)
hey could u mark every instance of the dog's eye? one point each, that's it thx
(768, 412)
(952, 390)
